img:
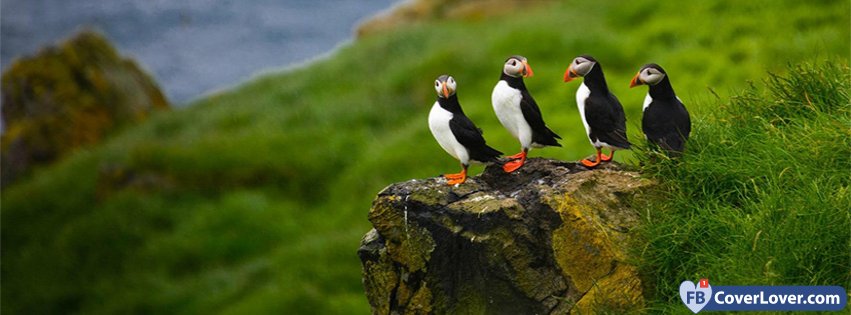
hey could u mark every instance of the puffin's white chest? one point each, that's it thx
(647, 101)
(506, 105)
(438, 123)
(581, 95)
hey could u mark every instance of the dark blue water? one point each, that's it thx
(190, 46)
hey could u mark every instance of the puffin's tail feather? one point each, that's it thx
(619, 139)
(626, 145)
(554, 134)
(486, 154)
(548, 139)
(673, 144)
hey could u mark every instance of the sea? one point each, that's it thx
(191, 47)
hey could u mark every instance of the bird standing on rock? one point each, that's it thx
(517, 111)
(455, 132)
(601, 112)
(665, 121)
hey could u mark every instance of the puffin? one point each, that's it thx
(601, 112)
(455, 132)
(517, 111)
(665, 120)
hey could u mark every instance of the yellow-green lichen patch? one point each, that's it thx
(407, 242)
(414, 250)
(590, 246)
(618, 293)
(381, 282)
(581, 246)
(417, 302)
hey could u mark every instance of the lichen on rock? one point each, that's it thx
(550, 238)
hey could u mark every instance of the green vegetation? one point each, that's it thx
(254, 200)
(762, 194)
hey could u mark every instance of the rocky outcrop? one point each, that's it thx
(551, 238)
(69, 96)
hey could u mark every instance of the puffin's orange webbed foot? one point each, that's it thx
(516, 156)
(589, 163)
(455, 179)
(607, 158)
(516, 162)
(453, 182)
(512, 166)
(454, 176)
(592, 164)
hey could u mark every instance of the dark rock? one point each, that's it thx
(550, 238)
(67, 97)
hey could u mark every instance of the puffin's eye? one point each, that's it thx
(513, 62)
(436, 83)
(576, 61)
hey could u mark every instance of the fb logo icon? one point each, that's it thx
(695, 297)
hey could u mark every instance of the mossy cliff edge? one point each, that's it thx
(550, 238)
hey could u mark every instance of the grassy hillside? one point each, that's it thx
(762, 195)
(254, 200)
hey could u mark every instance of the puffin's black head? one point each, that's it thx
(579, 67)
(650, 74)
(517, 66)
(445, 86)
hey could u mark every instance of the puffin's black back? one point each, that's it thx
(603, 112)
(666, 121)
(541, 134)
(466, 132)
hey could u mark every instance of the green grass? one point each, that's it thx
(254, 200)
(762, 196)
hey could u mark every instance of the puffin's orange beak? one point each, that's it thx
(527, 70)
(445, 91)
(570, 74)
(635, 81)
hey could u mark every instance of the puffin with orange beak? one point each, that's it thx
(665, 121)
(601, 112)
(455, 132)
(517, 111)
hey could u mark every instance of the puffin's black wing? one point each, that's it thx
(667, 126)
(541, 134)
(607, 120)
(471, 137)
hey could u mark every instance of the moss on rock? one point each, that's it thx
(69, 96)
(548, 239)
(591, 245)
